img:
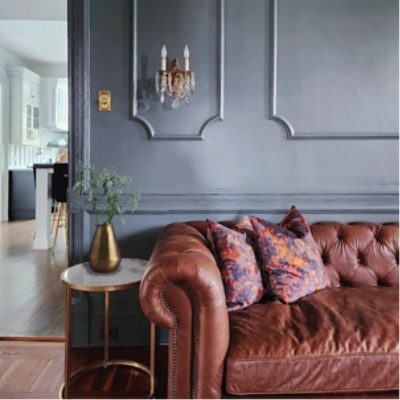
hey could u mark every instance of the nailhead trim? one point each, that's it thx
(195, 341)
(175, 337)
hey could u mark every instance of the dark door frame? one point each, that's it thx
(79, 116)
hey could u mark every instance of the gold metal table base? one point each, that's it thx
(69, 377)
(102, 364)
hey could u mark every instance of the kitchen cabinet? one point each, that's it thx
(25, 106)
(55, 103)
(21, 195)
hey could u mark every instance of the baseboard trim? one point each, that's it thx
(60, 339)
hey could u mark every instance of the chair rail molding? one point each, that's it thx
(135, 113)
(379, 201)
(279, 117)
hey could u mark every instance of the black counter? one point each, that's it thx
(43, 165)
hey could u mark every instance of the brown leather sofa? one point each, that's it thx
(342, 340)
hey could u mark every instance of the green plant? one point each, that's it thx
(118, 192)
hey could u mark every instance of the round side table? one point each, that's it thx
(82, 278)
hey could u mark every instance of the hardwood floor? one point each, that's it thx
(32, 298)
(31, 370)
(35, 370)
(32, 304)
(119, 382)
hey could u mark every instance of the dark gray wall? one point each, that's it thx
(246, 152)
(246, 164)
(337, 67)
(158, 118)
(322, 57)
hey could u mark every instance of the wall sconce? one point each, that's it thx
(175, 85)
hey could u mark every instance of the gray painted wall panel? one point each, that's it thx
(337, 67)
(206, 18)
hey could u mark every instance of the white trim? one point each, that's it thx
(43, 237)
(4, 143)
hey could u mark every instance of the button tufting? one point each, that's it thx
(360, 252)
(377, 239)
(380, 282)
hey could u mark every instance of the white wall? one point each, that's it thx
(4, 130)
(43, 10)
(14, 156)
(49, 70)
(7, 60)
(23, 156)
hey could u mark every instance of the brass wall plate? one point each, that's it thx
(104, 99)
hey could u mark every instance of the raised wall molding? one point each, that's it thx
(277, 116)
(79, 117)
(378, 202)
(151, 132)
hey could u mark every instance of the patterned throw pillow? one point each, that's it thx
(236, 260)
(290, 257)
(244, 226)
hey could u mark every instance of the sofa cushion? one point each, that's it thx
(240, 273)
(290, 257)
(336, 340)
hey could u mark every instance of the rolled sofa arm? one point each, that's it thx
(182, 290)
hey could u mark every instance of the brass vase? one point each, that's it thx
(104, 252)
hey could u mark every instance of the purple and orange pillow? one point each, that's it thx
(258, 257)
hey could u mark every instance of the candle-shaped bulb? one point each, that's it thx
(163, 58)
(186, 55)
(186, 52)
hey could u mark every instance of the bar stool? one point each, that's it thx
(59, 187)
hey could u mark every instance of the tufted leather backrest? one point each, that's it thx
(357, 254)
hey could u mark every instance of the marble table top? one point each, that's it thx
(82, 277)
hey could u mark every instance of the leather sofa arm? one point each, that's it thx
(182, 290)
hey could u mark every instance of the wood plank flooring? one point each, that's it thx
(32, 298)
(31, 370)
(36, 369)
(119, 382)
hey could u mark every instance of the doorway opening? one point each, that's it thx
(34, 136)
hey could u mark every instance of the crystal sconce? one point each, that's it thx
(175, 85)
